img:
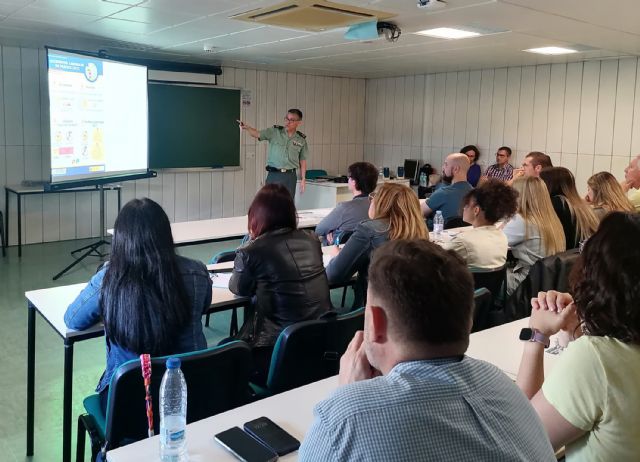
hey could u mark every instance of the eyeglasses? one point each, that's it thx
(291, 120)
(372, 195)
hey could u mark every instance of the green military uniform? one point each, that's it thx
(284, 155)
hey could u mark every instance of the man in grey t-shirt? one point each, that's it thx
(363, 178)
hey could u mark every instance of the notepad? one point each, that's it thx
(220, 280)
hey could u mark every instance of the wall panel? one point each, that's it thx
(334, 123)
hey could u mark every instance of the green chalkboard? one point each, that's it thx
(193, 126)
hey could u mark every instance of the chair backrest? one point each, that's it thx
(313, 174)
(494, 279)
(224, 256)
(310, 350)
(455, 222)
(549, 273)
(217, 380)
(483, 303)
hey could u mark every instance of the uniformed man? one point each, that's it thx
(287, 151)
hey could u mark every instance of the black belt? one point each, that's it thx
(269, 168)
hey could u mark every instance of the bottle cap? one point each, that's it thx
(173, 363)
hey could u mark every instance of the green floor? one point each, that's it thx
(34, 270)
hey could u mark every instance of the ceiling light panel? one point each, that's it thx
(448, 33)
(551, 51)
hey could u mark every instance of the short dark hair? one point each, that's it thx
(471, 147)
(365, 176)
(505, 148)
(272, 209)
(496, 199)
(540, 158)
(427, 291)
(297, 112)
(606, 282)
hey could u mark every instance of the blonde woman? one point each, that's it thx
(577, 218)
(394, 213)
(605, 195)
(534, 232)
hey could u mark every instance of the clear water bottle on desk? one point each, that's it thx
(173, 414)
(438, 225)
(423, 180)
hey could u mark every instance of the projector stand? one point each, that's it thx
(91, 249)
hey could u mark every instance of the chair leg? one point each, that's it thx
(206, 320)
(80, 441)
(233, 327)
(2, 237)
(344, 295)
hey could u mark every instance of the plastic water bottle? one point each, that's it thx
(423, 180)
(438, 225)
(173, 414)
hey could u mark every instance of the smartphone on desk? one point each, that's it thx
(272, 435)
(245, 447)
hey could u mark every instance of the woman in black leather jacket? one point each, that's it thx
(281, 267)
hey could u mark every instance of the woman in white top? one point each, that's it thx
(483, 246)
(589, 403)
(534, 232)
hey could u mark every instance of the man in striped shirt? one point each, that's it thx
(408, 392)
(502, 169)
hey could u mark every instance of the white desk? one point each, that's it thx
(292, 410)
(501, 347)
(52, 304)
(221, 229)
(323, 194)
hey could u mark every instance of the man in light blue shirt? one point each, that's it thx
(408, 392)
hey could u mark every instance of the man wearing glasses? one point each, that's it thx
(287, 151)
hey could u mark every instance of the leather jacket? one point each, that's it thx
(283, 270)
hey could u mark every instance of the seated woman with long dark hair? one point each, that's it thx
(483, 246)
(150, 299)
(589, 403)
(577, 218)
(281, 266)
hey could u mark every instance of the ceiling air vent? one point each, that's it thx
(311, 15)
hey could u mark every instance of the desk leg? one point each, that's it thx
(67, 401)
(31, 370)
(6, 216)
(19, 198)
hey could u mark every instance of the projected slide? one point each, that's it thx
(98, 117)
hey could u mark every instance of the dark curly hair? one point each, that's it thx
(495, 199)
(605, 280)
(473, 148)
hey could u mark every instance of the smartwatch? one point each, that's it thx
(534, 335)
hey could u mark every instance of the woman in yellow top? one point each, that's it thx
(590, 402)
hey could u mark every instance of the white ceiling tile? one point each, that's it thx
(90, 7)
(158, 17)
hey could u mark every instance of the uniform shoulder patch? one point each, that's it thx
(301, 134)
(278, 126)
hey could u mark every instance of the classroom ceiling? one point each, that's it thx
(180, 30)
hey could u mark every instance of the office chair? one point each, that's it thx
(309, 351)
(217, 381)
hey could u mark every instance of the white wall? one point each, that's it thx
(333, 123)
(586, 116)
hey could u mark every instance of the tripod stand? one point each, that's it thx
(91, 249)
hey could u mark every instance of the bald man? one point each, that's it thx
(448, 198)
(632, 181)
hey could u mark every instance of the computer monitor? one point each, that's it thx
(411, 170)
